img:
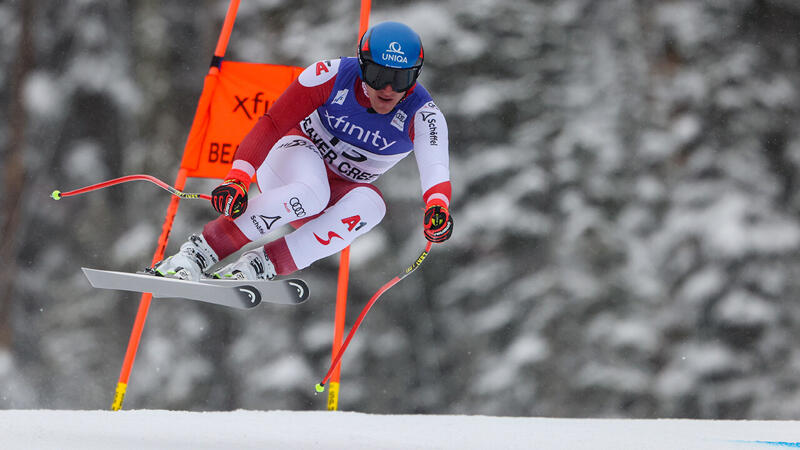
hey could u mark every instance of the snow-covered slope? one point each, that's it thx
(144, 429)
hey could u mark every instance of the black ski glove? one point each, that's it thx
(438, 223)
(230, 197)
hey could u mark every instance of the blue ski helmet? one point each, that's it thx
(390, 53)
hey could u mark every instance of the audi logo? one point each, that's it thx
(297, 207)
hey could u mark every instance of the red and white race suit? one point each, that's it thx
(315, 154)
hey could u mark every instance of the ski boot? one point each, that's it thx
(252, 265)
(190, 263)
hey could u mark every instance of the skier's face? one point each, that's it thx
(383, 100)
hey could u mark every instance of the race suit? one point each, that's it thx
(315, 154)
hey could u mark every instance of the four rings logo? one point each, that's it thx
(296, 206)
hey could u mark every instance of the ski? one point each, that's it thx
(237, 294)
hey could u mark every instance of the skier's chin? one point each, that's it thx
(382, 106)
(381, 109)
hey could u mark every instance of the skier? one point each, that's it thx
(339, 126)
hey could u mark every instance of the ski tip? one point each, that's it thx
(301, 289)
(89, 274)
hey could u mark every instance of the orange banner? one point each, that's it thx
(243, 92)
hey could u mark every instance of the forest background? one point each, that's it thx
(626, 211)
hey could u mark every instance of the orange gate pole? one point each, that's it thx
(338, 327)
(344, 268)
(180, 182)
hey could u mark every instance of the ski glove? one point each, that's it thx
(230, 197)
(438, 223)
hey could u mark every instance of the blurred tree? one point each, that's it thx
(14, 172)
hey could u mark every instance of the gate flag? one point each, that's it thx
(227, 111)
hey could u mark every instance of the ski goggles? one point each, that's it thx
(377, 76)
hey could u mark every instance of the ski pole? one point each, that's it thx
(320, 387)
(58, 195)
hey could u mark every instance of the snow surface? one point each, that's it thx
(146, 429)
